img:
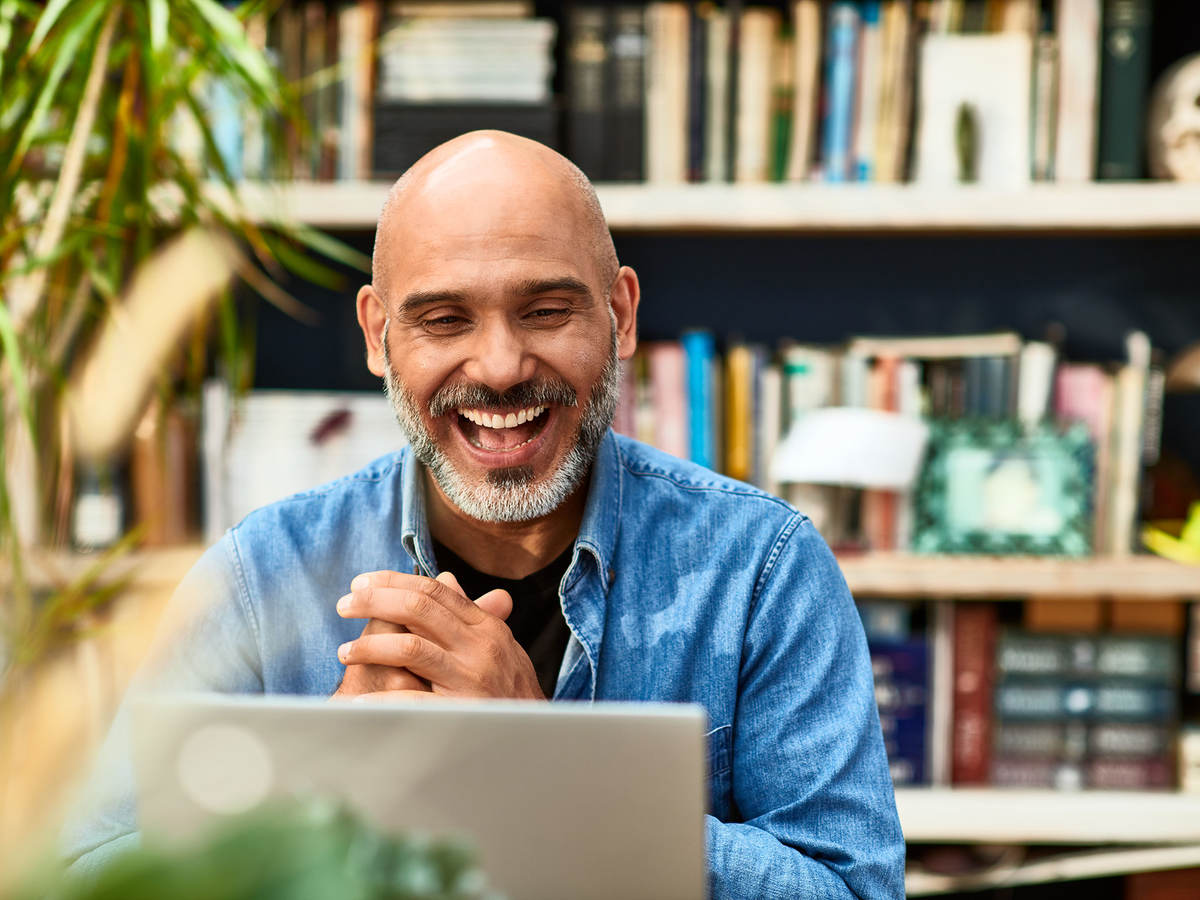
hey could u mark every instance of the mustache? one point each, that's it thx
(539, 392)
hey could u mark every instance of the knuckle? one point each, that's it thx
(419, 605)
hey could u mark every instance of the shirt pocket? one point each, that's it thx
(720, 769)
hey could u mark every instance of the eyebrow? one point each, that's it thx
(530, 287)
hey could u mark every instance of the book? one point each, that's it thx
(806, 83)
(716, 120)
(1045, 106)
(974, 677)
(1077, 24)
(840, 92)
(752, 125)
(697, 94)
(700, 352)
(666, 104)
(866, 113)
(1084, 393)
(587, 67)
(782, 89)
(901, 672)
(894, 92)
(666, 368)
(958, 346)
(625, 129)
(941, 691)
(739, 410)
(357, 26)
(1129, 392)
(1124, 83)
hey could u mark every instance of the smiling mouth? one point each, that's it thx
(501, 431)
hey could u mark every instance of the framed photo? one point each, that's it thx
(990, 487)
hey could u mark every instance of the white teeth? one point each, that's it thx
(495, 420)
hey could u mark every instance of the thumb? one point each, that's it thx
(497, 602)
(448, 579)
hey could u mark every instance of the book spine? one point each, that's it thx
(782, 89)
(759, 28)
(840, 92)
(738, 410)
(806, 57)
(870, 56)
(1124, 73)
(716, 123)
(1078, 27)
(1045, 107)
(700, 352)
(666, 93)
(732, 93)
(697, 94)
(668, 389)
(974, 676)
(626, 131)
(587, 63)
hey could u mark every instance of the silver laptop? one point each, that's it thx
(560, 800)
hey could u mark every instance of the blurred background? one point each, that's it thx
(928, 269)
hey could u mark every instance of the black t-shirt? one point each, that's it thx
(536, 621)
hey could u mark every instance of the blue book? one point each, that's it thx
(901, 671)
(841, 65)
(864, 154)
(700, 350)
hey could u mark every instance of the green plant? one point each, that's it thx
(94, 179)
(295, 851)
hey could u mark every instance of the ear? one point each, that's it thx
(371, 315)
(625, 297)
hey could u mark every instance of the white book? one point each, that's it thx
(806, 57)
(1129, 401)
(1035, 381)
(716, 74)
(756, 51)
(1020, 16)
(1078, 28)
(990, 75)
(666, 92)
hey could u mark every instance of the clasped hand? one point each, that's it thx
(426, 638)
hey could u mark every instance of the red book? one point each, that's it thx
(974, 677)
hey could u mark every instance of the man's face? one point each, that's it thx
(501, 359)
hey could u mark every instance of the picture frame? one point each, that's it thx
(992, 487)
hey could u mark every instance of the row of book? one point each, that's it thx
(970, 695)
(741, 412)
(875, 90)
(938, 91)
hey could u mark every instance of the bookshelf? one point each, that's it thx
(1012, 816)
(1097, 208)
(1000, 577)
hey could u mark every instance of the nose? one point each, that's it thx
(499, 357)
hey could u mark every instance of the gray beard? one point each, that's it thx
(512, 494)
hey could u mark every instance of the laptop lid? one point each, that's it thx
(560, 800)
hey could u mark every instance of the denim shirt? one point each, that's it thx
(684, 586)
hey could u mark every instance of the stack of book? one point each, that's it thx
(1084, 711)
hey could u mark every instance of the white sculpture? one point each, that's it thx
(1173, 122)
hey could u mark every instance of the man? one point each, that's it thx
(520, 549)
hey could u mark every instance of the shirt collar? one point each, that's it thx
(597, 531)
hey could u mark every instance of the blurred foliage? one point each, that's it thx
(295, 851)
(106, 150)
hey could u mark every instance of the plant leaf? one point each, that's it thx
(48, 19)
(16, 366)
(159, 19)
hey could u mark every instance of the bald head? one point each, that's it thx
(494, 172)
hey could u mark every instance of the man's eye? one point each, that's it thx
(549, 315)
(443, 324)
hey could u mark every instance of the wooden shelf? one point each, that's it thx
(805, 208)
(1000, 577)
(1003, 816)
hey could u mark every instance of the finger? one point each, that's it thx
(409, 651)
(498, 603)
(449, 579)
(366, 679)
(404, 609)
(376, 594)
